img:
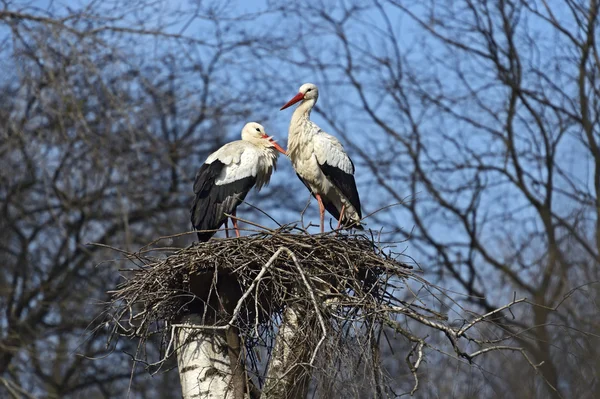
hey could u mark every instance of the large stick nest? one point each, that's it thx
(209, 278)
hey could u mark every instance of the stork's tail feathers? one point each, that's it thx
(203, 237)
(352, 224)
(358, 226)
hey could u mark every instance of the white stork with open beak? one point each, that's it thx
(227, 176)
(321, 162)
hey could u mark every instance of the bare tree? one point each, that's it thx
(480, 118)
(106, 112)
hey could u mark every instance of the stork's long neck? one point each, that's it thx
(299, 126)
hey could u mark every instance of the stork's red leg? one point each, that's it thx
(321, 212)
(235, 225)
(341, 217)
(226, 229)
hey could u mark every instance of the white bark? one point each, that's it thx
(203, 362)
(286, 377)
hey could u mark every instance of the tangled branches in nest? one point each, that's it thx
(346, 290)
(352, 267)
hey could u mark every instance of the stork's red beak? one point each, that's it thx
(297, 97)
(277, 146)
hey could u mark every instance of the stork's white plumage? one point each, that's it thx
(227, 176)
(321, 162)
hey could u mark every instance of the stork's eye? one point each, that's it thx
(308, 90)
(258, 129)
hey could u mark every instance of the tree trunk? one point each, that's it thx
(204, 359)
(212, 362)
(288, 377)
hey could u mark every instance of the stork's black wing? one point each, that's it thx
(337, 166)
(345, 184)
(213, 201)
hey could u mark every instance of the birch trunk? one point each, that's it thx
(287, 377)
(202, 361)
(212, 362)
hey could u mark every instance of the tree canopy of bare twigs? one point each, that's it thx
(106, 110)
(480, 117)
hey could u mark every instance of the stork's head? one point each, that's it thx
(307, 91)
(256, 134)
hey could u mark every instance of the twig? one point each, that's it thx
(480, 318)
(314, 302)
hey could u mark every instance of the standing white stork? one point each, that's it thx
(227, 176)
(321, 162)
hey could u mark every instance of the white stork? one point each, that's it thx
(227, 176)
(321, 162)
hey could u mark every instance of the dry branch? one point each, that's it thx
(342, 289)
